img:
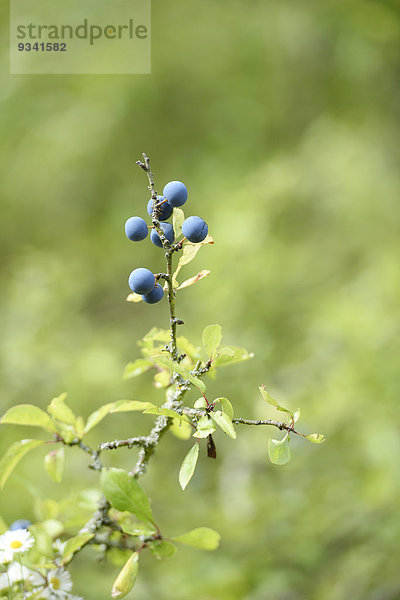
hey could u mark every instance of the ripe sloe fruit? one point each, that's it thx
(194, 229)
(165, 210)
(168, 231)
(141, 281)
(136, 229)
(176, 193)
(154, 296)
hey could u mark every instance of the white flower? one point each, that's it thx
(5, 557)
(59, 582)
(58, 546)
(19, 540)
(16, 573)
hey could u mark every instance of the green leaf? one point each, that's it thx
(162, 379)
(268, 398)
(296, 415)
(60, 411)
(223, 421)
(124, 493)
(28, 414)
(54, 464)
(166, 412)
(174, 367)
(139, 366)
(279, 451)
(178, 216)
(226, 406)
(162, 548)
(203, 538)
(205, 426)
(157, 335)
(188, 348)
(130, 405)
(13, 455)
(132, 297)
(193, 280)
(126, 578)
(212, 336)
(200, 403)
(188, 466)
(97, 416)
(229, 355)
(316, 438)
(188, 254)
(74, 544)
(181, 429)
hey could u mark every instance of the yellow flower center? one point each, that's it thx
(55, 582)
(16, 544)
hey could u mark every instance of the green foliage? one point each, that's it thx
(27, 414)
(162, 548)
(74, 544)
(54, 463)
(188, 466)
(279, 451)
(211, 338)
(202, 538)
(124, 493)
(126, 578)
(224, 422)
(13, 456)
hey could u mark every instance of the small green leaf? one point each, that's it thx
(132, 297)
(181, 429)
(200, 403)
(296, 415)
(13, 455)
(124, 493)
(268, 398)
(188, 466)
(226, 406)
(54, 464)
(126, 578)
(316, 438)
(223, 421)
(74, 544)
(229, 355)
(205, 427)
(157, 335)
(188, 254)
(130, 405)
(28, 414)
(178, 216)
(188, 348)
(279, 451)
(162, 548)
(97, 416)
(139, 366)
(174, 367)
(162, 379)
(60, 411)
(212, 336)
(193, 280)
(166, 412)
(203, 538)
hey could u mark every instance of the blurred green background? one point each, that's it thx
(283, 120)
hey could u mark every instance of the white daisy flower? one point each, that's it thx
(59, 582)
(5, 557)
(19, 540)
(58, 546)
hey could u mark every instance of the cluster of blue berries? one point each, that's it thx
(195, 230)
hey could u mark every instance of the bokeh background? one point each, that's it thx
(283, 120)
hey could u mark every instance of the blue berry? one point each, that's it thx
(165, 209)
(20, 524)
(176, 193)
(154, 296)
(136, 229)
(194, 229)
(141, 281)
(168, 231)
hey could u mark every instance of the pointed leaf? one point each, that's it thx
(188, 466)
(130, 405)
(268, 398)
(211, 337)
(28, 414)
(223, 421)
(229, 355)
(54, 464)
(124, 493)
(178, 216)
(203, 538)
(61, 411)
(205, 426)
(126, 578)
(316, 438)
(193, 280)
(139, 366)
(13, 455)
(98, 415)
(174, 367)
(166, 412)
(226, 406)
(74, 544)
(279, 451)
(162, 548)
